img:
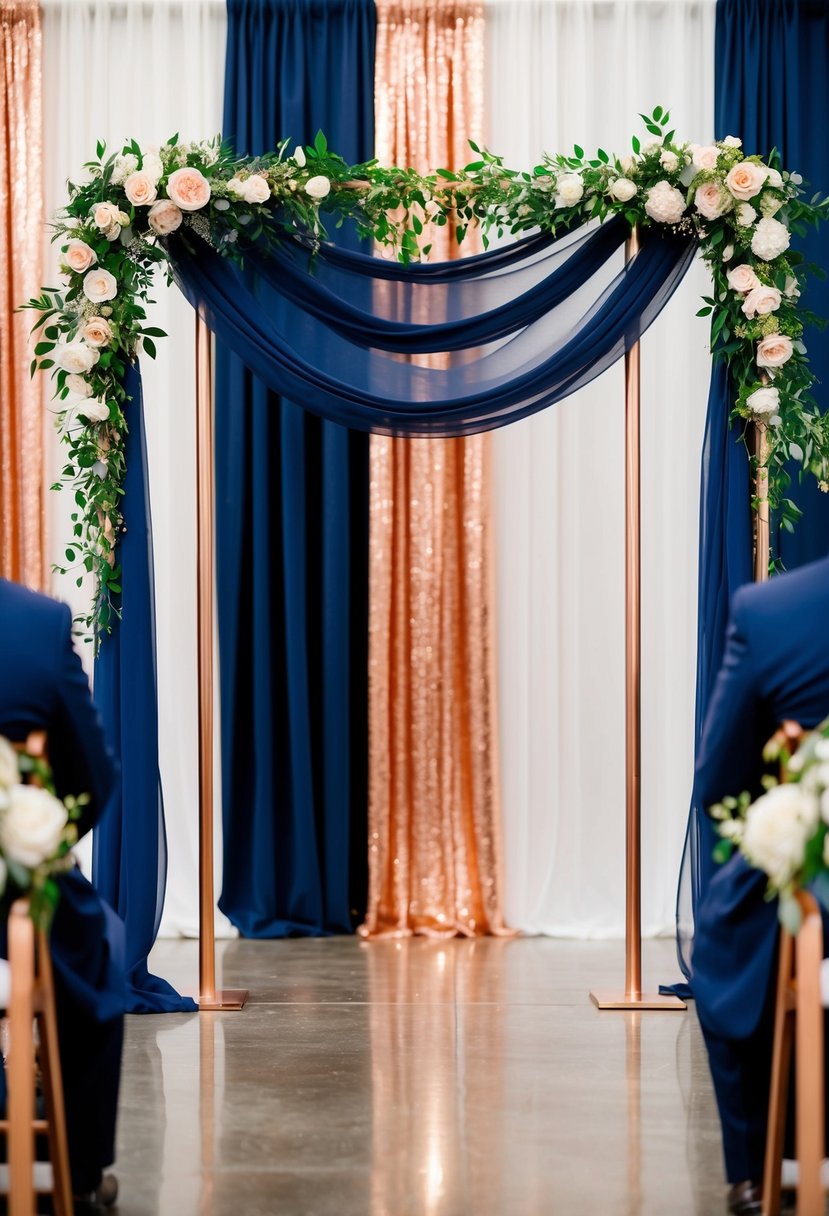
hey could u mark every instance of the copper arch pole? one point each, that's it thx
(633, 997)
(762, 519)
(209, 997)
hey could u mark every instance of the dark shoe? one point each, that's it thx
(745, 1199)
(99, 1200)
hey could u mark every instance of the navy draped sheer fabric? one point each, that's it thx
(129, 859)
(772, 90)
(292, 531)
(513, 340)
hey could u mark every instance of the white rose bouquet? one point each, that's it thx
(785, 832)
(37, 833)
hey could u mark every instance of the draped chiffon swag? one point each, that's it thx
(434, 831)
(22, 555)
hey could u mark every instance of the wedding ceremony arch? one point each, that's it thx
(516, 328)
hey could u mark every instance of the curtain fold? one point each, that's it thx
(22, 542)
(292, 532)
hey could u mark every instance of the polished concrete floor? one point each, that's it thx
(417, 1078)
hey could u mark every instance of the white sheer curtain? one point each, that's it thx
(115, 70)
(580, 71)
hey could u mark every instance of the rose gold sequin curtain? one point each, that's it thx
(434, 856)
(21, 236)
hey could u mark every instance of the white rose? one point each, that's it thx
(256, 189)
(317, 187)
(774, 351)
(761, 300)
(122, 167)
(9, 772)
(77, 385)
(705, 156)
(104, 215)
(669, 160)
(140, 189)
(731, 141)
(627, 164)
(774, 179)
(113, 232)
(95, 411)
(152, 165)
(665, 203)
(746, 179)
(164, 216)
(764, 401)
(728, 253)
(76, 357)
(97, 332)
(650, 146)
(79, 256)
(771, 238)
(189, 189)
(299, 156)
(746, 215)
(742, 278)
(569, 189)
(32, 825)
(710, 200)
(622, 189)
(778, 826)
(99, 285)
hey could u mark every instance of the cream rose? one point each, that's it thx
(731, 141)
(113, 232)
(705, 156)
(569, 189)
(318, 187)
(256, 189)
(778, 826)
(140, 189)
(299, 156)
(189, 189)
(669, 160)
(97, 332)
(627, 164)
(95, 411)
(770, 239)
(31, 827)
(764, 401)
(622, 189)
(104, 215)
(746, 215)
(774, 351)
(665, 203)
(710, 200)
(9, 772)
(76, 357)
(742, 278)
(761, 300)
(746, 179)
(164, 216)
(152, 165)
(77, 385)
(79, 256)
(100, 285)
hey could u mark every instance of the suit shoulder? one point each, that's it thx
(28, 613)
(803, 590)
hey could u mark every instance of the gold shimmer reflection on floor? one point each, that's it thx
(417, 1078)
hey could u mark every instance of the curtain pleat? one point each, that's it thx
(21, 221)
(434, 835)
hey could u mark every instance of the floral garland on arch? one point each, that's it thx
(111, 233)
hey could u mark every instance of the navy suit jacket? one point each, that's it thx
(776, 667)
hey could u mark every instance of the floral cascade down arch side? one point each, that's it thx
(741, 210)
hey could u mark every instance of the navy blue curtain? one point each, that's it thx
(292, 532)
(772, 90)
(129, 855)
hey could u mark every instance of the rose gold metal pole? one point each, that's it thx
(209, 997)
(633, 997)
(762, 522)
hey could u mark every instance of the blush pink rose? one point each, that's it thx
(774, 351)
(79, 256)
(705, 157)
(710, 200)
(140, 189)
(97, 332)
(746, 179)
(104, 215)
(761, 300)
(742, 278)
(188, 188)
(164, 216)
(99, 286)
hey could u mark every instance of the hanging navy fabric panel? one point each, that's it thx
(772, 91)
(129, 854)
(292, 532)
